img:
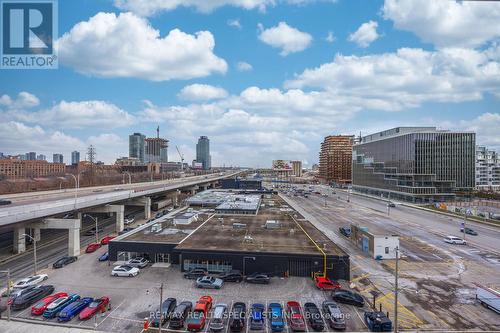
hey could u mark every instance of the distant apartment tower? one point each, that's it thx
(203, 152)
(57, 158)
(417, 164)
(335, 159)
(487, 169)
(297, 168)
(31, 156)
(137, 146)
(41, 157)
(75, 157)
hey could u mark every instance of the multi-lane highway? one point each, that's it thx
(436, 279)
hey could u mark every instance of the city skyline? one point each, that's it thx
(270, 82)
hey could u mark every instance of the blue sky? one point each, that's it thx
(130, 65)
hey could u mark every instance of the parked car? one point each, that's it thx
(180, 314)
(196, 322)
(138, 262)
(348, 297)
(125, 270)
(313, 315)
(55, 307)
(129, 220)
(209, 282)
(237, 318)
(295, 317)
(276, 318)
(195, 273)
(469, 231)
(60, 263)
(104, 257)
(333, 315)
(219, 315)
(91, 232)
(346, 231)
(167, 307)
(73, 309)
(41, 305)
(257, 316)
(16, 293)
(231, 276)
(4, 202)
(258, 278)
(105, 240)
(32, 296)
(98, 305)
(158, 215)
(324, 283)
(455, 240)
(92, 247)
(30, 281)
(378, 322)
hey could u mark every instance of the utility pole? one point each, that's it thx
(396, 272)
(161, 310)
(91, 157)
(34, 251)
(8, 292)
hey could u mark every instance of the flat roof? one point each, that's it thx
(240, 202)
(219, 234)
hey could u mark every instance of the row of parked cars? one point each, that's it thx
(185, 315)
(44, 302)
(204, 280)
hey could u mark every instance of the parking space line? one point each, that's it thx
(228, 317)
(360, 277)
(267, 318)
(359, 316)
(109, 314)
(247, 317)
(304, 317)
(285, 317)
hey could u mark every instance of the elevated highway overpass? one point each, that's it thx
(39, 210)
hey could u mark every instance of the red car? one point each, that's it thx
(98, 305)
(105, 240)
(41, 305)
(196, 321)
(325, 283)
(297, 322)
(92, 247)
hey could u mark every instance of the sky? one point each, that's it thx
(263, 79)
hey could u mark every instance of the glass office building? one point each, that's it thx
(203, 152)
(417, 164)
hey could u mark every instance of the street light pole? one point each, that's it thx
(77, 184)
(396, 272)
(34, 250)
(96, 231)
(161, 310)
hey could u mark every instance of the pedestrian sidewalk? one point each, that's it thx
(27, 327)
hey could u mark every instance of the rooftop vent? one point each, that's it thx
(239, 226)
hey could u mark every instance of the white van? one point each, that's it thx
(455, 240)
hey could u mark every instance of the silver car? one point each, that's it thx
(138, 262)
(219, 315)
(209, 282)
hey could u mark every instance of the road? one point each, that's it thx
(436, 278)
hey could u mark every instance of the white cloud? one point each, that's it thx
(365, 35)
(151, 7)
(407, 78)
(24, 100)
(446, 23)
(234, 23)
(285, 37)
(243, 66)
(128, 46)
(330, 37)
(202, 92)
(486, 126)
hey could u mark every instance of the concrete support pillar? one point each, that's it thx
(19, 240)
(36, 234)
(147, 208)
(74, 242)
(119, 214)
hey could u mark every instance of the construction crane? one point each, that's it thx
(182, 158)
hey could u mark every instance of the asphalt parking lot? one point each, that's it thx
(133, 299)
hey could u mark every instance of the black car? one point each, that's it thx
(125, 230)
(92, 232)
(313, 315)
(167, 307)
(258, 278)
(32, 296)
(348, 297)
(346, 231)
(469, 231)
(195, 273)
(378, 322)
(232, 276)
(64, 261)
(179, 315)
(17, 292)
(5, 202)
(237, 317)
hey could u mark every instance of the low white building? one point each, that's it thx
(378, 246)
(186, 218)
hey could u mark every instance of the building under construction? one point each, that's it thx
(335, 159)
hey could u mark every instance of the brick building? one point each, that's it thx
(19, 169)
(335, 159)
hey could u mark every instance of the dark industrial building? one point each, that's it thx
(241, 184)
(277, 241)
